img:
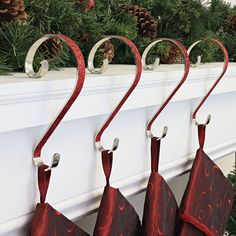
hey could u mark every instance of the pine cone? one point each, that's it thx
(172, 55)
(51, 48)
(84, 37)
(108, 51)
(146, 23)
(12, 10)
(231, 23)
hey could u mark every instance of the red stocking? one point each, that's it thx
(208, 199)
(116, 216)
(48, 221)
(160, 210)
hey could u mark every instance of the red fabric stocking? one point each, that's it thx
(208, 199)
(46, 220)
(160, 209)
(116, 216)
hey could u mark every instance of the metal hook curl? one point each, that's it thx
(54, 162)
(155, 65)
(115, 145)
(206, 123)
(79, 84)
(164, 133)
(29, 70)
(199, 58)
(91, 56)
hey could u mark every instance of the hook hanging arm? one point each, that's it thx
(128, 93)
(79, 84)
(186, 72)
(226, 64)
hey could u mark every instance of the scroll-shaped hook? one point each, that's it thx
(156, 63)
(79, 84)
(29, 70)
(199, 58)
(91, 56)
(185, 75)
(226, 63)
(164, 133)
(137, 56)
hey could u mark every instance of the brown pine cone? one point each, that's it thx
(172, 55)
(108, 51)
(84, 37)
(12, 10)
(51, 48)
(231, 23)
(146, 23)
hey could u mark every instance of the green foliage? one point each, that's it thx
(4, 69)
(231, 226)
(15, 40)
(54, 16)
(185, 20)
(218, 12)
(230, 43)
(191, 20)
(115, 21)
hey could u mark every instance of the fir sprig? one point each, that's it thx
(15, 40)
(54, 16)
(4, 69)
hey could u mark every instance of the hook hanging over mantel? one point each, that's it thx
(155, 65)
(152, 67)
(91, 56)
(128, 93)
(225, 67)
(79, 84)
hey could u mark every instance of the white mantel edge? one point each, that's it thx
(37, 101)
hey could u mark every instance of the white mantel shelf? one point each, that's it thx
(31, 99)
(28, 106)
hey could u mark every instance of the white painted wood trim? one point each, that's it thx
(37, 101)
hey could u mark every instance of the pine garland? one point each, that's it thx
(15, 40)
(4, 69)
(185, 20)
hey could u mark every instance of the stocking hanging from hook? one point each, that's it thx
(46, 220)
(161, 214)
(116, 216)
(208, 198)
